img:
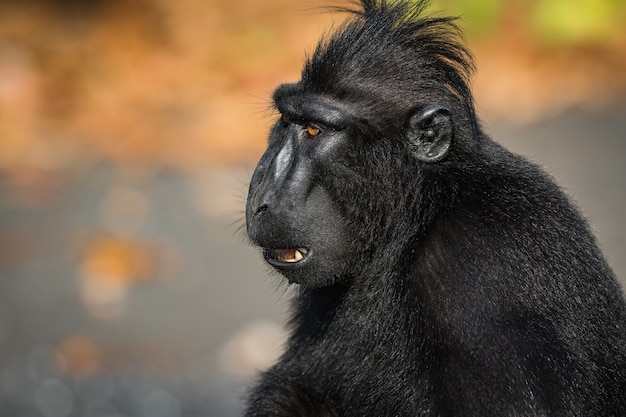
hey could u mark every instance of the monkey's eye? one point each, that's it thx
(312, 130)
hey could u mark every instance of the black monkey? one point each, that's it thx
(439, 274)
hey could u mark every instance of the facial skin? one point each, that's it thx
(290, 215)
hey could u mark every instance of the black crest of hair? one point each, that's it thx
(438, 273)
(390, 42)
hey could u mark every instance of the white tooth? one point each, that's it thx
(298, 256)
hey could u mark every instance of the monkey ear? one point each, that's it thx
(430, 133)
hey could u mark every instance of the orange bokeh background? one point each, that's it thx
(186, 84)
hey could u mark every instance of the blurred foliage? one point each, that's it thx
(568, 22)
(548, 22)
(479, 17)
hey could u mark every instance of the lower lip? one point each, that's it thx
(275, 262)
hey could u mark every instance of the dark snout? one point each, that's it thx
(278, 194)
(299, 229)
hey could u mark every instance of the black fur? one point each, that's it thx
(456, 283)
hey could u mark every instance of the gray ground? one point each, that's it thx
(186, 343)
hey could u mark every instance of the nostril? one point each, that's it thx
(261, 210)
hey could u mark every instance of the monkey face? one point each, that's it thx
(310, 207)
(289, 213)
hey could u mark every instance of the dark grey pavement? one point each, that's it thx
(183, 338)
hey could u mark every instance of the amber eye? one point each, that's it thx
(312, 130)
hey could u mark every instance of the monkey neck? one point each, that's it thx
(373, 311)
(341, 328)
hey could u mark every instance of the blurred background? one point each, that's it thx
(128, 131)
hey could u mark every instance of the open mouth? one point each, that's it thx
(285, 257)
